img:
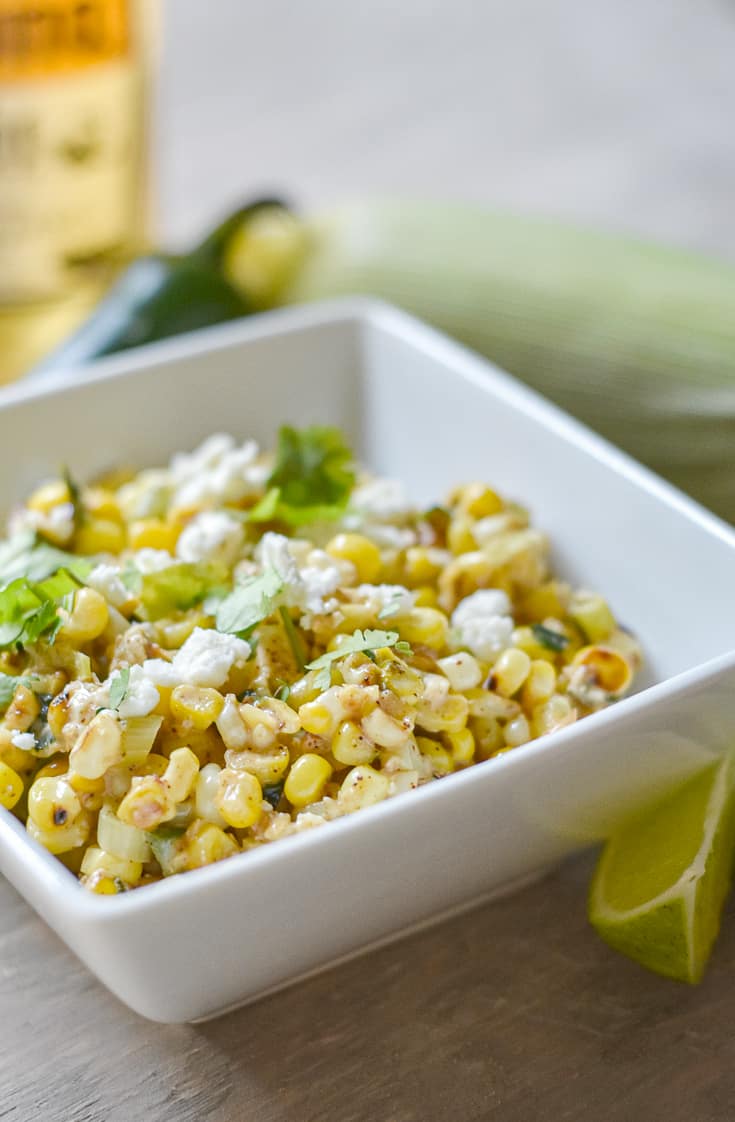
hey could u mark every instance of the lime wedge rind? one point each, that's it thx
(672, 931)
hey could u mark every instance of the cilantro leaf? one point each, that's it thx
(8, 686)
(26, 614)
(119, 688)
(249, 603)
(367, 640)
(179, 587)
(24, 556)
(549, 638)
(311, 480)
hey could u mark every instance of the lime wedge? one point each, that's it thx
(658, 890)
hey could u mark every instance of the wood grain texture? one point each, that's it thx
(618, 114)
(514, 1012)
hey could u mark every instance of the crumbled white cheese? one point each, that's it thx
(321, 576)
(26, 741)
(105, 579)
(387, 600)
(146, 496)
(217, 471)
(389, 537)
(141, 696)
(274, 551)
(152, 560)
(56, 523)
(187, 465)
(310, 576)
(211, 536)
(83, 699)
(483, 622)
(161, 673)
(381, 499)
(205, 659)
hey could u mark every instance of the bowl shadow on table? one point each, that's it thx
(514, 1010)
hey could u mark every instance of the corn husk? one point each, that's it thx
(636, 340)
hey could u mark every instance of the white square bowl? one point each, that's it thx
(421, 408)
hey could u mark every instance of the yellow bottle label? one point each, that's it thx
(70, 124)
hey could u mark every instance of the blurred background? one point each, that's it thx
(612, 114)
(531, 155)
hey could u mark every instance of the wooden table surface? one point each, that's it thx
(618, 114)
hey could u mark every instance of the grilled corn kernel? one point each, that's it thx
(205, 843)
(181, 773)
(87, 619)
(459, 535)
(451, 717)
(267, 767)
(484, 703)
(49, 495)
(462, 670)
(361, 787)
(84, 786)
(197, 704)
(97, 860)
(591, 612)
(148, 803)
(524, 639)
(11, 786)
(163, 708)
(153, 533)
(517, 731)
(422, 565)
(307, 779)
(426, 597)
(261, 726)
(101, 503)
(102, 885)
(22, 711)
(510, 671)
(488, 736)
(153, 764)
(387, 731)
(305, 689)
(53, 802)
(98, 747)
(100, 535)
(230, 724)
(425, 626)
(606, 668)
(287, 719)
(539, 685)
(358, 549)
(337, 704)
(547, 600)
(53, 769)
(462, 746)
(60, 839)
(555, 713)
(479, 501)
(205, 793)
(351, 746)
(239, 798)
(438, 756)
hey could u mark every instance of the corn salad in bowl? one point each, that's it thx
(199, 659)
